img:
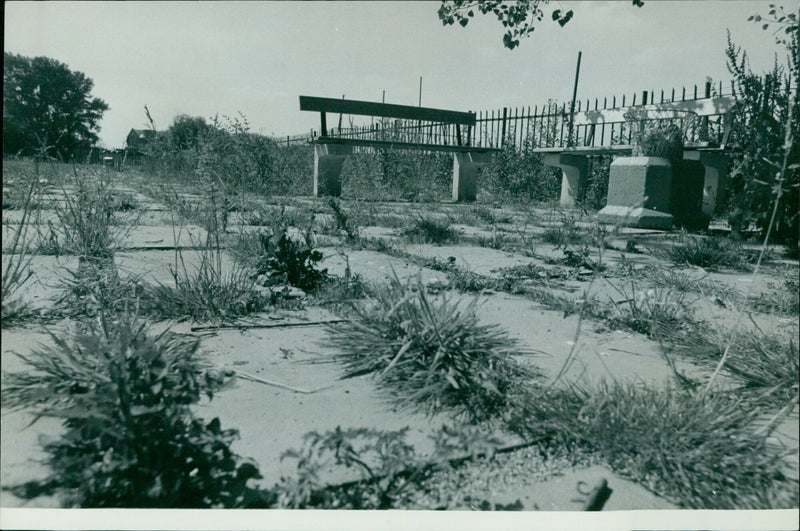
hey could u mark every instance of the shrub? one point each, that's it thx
(521, 174)
(431, 356)
(131, 439)
(767, 108)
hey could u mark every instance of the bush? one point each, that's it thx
(660, 141)
(521, 174)
(131, 439)
(763, 108)
(431, 356)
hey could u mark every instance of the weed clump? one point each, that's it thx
(206, 294)
(17, 266)
(431, 356)
(284, 260)
(709, 253)
(701, 451)
(431, 230)
(131, 439)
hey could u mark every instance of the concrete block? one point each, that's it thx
(465, 174)
(574, 173)
(686, 202)
(638, 217)
(328, 161)
(715, 178)
(639, 193)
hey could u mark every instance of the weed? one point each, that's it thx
(97, 288)
(284, 260)
(701, 451)
(709, 252)
(431, 230)
(391, 473)
(764, 364)
(648, 311)
(431, 356)
(782, 298)
(131, 439)
(565, 234)
(487, 215)
(207, 293)
(17, 266)
(342, 224)
(124, 202)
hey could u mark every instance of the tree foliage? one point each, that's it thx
(47, 108)
(187, 132)
(763, 108)
(519, 17)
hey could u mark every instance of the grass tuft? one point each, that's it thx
(702, 452)
(431, 230)
(431, 355)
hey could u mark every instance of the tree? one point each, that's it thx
(766, 159)
(47, 108)
(187, 132)
(519, 16)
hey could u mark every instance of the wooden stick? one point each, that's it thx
(278, 325)
(251, 377)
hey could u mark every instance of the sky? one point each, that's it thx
(255, 58)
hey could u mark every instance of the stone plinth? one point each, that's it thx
(715, 177)
(465, 174)
(639, 193)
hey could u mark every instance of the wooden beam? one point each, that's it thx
(402, 145)
(386, 110)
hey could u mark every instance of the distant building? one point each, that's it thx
(138, 139)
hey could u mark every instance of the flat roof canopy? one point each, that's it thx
(385, 110)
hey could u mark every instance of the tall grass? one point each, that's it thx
(431, 355)
(17, 264)
(700, 451)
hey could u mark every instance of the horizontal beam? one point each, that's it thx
(385, 110)
(621, 149)
(401, 145)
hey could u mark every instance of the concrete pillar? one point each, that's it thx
(639, 193)
(715, 178)
(687, 195)
(575, 172)
(328, 160)
(465, 174)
